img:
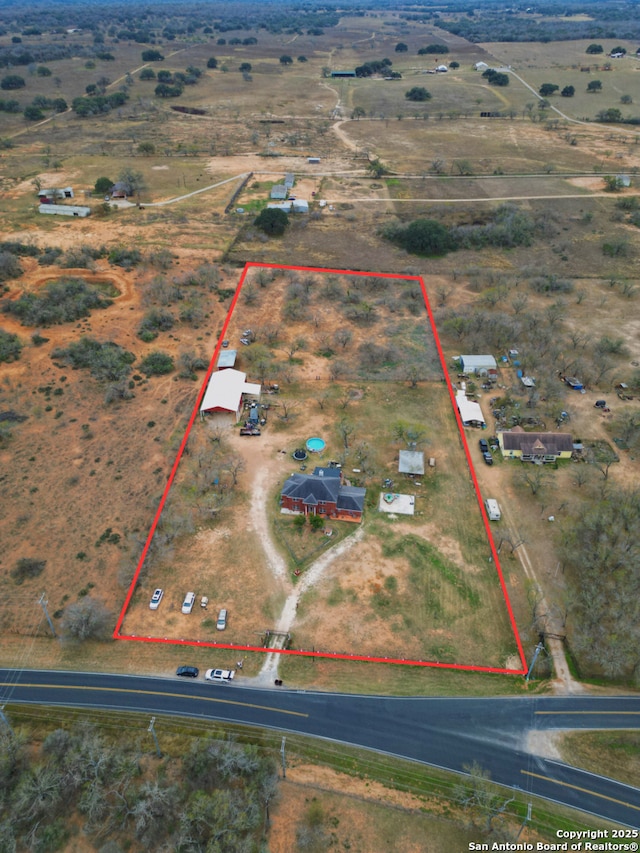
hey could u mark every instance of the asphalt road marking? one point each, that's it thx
(621, 713)
(582, 790)
(155, 693)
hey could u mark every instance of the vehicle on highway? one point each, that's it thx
(220, 675)
(189, 601)
(221, 624)
(484, 445)
(488, 458)
(156, 598)
(188, 671)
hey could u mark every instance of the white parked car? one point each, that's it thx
(189, 601)
(220, 675)
(221, 624)
(156, 598)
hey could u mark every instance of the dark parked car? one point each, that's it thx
(488, 458)
(188, 671)
(600, 404)
(484, 445)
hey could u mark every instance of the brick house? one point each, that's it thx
(322, 493)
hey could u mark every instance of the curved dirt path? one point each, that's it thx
(313, 574)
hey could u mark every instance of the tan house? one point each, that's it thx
(536, 447)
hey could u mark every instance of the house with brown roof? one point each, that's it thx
(538, 447)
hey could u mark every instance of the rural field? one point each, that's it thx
(511, 190)
(420, 587)
(85, 476)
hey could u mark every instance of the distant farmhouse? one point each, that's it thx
(322, 493)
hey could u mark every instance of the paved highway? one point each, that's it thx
(444, 732)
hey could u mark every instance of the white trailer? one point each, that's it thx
(493, 509)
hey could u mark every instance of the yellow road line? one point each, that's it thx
(155, 693)
(582, 790)
(621, 713)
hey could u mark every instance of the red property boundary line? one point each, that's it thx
(301, 652)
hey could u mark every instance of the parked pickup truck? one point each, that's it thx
(249, 431)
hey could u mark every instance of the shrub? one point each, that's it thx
(124, 257)
(27, 568)
(63, 301)
(154, 322)
(10, 346)
(9, 266)
(157, 364)
(106, 361)
(418, 93)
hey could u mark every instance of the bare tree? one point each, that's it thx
(234, 465)
(343, 337)
(87, 619)
(346, 428)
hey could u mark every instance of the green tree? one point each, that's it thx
(147, 74)
(548, 89)
(418, 93)
(33, 113)
(212, 62)
(568, 92)
(426, 237)
(302, 59)
(594, 48)
(272, 221)
(454, 65)
(152, 56)
(103, 186)
(285, 59)
(245, 68)
(612, 115)
(594, 86)
(433, 48)
(146, 149)
(358, 112)
(401, 47)
(12, 81)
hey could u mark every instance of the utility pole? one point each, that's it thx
(43, 603)
(152, 731)
(525, 821)
(4, 719)
(284, 763)
(539, 648)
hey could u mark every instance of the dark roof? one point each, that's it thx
(547, 443)
(326, 472)
(311, 489)
(351, 498)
